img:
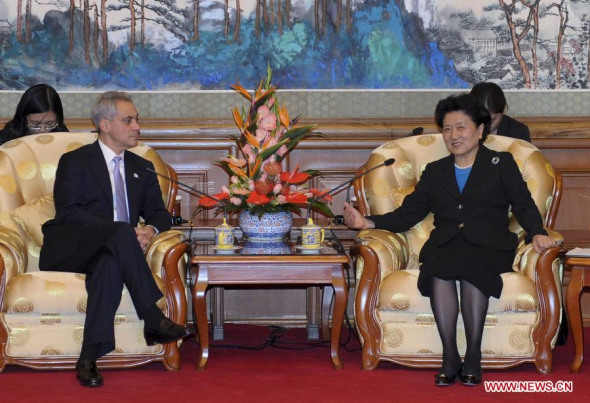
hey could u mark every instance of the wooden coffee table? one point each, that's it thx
(580, 278)
(269, 270)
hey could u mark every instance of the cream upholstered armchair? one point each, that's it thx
(42, 313)
(395, 321)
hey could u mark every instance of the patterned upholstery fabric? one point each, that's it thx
(404, 317)
(43, 313)
(31, 216)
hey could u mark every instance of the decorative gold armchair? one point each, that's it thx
(395, 321)
(42, 313)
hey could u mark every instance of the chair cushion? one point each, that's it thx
(519, 294)
(59, 293)
(52, 339)
(33, 214)
(399, 292)
(507, 334)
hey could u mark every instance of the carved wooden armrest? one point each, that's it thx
(389, 250)
(168, 257)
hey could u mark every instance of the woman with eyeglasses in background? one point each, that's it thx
(39, 111)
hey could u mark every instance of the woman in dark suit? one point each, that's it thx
(38, 111)
(470, 193)
(492, 97)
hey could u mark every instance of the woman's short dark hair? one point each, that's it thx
(467, 104)
(490, 95)
(39, 98)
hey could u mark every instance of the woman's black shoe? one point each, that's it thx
(442, 379)
(471, 380)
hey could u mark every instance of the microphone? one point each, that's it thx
(385, 163)
(198, 192)
(417, 131)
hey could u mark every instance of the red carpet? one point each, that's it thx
(298, 374)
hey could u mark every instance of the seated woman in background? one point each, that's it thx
(39, 111)
(492, 97)
(470, 193)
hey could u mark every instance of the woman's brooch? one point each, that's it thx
(495, 160)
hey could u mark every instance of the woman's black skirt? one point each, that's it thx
(461, 259)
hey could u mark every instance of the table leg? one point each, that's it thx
(340, 298)
(574, 316)
(328, 294)
(218, 309)
(200, 309)
(313, 326)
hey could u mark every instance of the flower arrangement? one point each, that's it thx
(258, 182)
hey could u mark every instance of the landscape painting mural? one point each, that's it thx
(309, 44)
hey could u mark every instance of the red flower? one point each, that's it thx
(209, 202)
(294, 177)
(317, 193)
(296, 198)
(257, 198)
(263, 187)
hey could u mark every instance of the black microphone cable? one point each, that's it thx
(351, 329)
(276, 332)
(273, 337)
(337, 245)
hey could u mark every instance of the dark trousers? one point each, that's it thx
(118, 260)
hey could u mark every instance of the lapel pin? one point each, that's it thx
(135, 175)
(495, 160)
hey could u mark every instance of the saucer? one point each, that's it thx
(309, 247)
(226, 251)
(304, 249)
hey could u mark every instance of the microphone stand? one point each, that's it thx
(387, 162)
(198, 192)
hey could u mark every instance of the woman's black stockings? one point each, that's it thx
(445, 306)
(474, 307)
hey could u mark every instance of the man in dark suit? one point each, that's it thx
(100, 192)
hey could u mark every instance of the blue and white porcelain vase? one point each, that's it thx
(270, 227)
(266, 248)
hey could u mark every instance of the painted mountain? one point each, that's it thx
(207, 44)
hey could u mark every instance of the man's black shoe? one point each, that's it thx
(87, 373)
(167, 332)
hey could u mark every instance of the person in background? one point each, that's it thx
(39, 111)
(470, 193)
(492, 97)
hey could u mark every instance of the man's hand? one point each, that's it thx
(145, 235)
(542, 242)
(355, 220)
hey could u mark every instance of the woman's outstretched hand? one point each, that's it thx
(542, 242)
(355, 220)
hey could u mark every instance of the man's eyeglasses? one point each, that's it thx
(41, 127)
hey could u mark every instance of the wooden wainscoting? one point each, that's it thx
(192, 146)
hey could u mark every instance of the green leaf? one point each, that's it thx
(322, 208)
(270, 92)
